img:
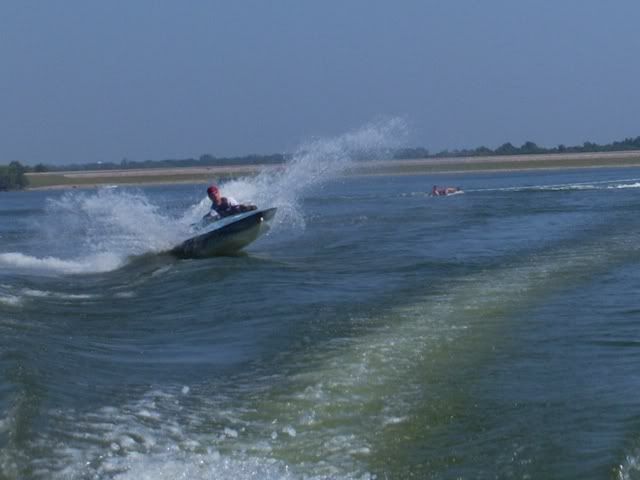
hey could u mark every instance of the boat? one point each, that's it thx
(227, 235)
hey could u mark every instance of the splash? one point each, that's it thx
(314, 164)
(98, 231)
(95, 263)
(111, 221)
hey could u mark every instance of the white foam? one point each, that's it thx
(394, 420)
(10, 300)
(35, 293)
(199, 467)
(628, 185)
(28, 292)
(289, 430)
(102, 262)
(630, 468)
(594, 185)
(230, 432)
(125, 295)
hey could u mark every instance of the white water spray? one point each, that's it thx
(316, 163)
(88, 232)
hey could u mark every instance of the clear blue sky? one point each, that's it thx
(85, 81)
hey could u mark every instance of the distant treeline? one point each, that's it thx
(12, 177)
(528, 148)
(202, 161)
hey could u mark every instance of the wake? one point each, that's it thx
(573, 186)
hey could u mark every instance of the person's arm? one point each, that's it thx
(212, 215)
(237, 207)
(248, 208)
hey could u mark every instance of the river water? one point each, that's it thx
(374, 332)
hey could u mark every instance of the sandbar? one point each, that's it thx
(418, 166)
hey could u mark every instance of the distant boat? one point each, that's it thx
(437, 191)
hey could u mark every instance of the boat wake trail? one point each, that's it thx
(573, 186)
(342, 410)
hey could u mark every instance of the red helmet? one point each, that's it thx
(212, 190)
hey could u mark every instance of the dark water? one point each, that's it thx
(375, 332)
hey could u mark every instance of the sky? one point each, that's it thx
(87, 81)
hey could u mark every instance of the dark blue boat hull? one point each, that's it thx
(228, 238)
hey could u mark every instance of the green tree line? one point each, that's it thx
(12, 176)
(202, 161)
(527, 148)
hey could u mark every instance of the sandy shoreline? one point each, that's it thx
(158, 176)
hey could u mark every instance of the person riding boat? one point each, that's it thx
(441, 191)
(224, 206)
